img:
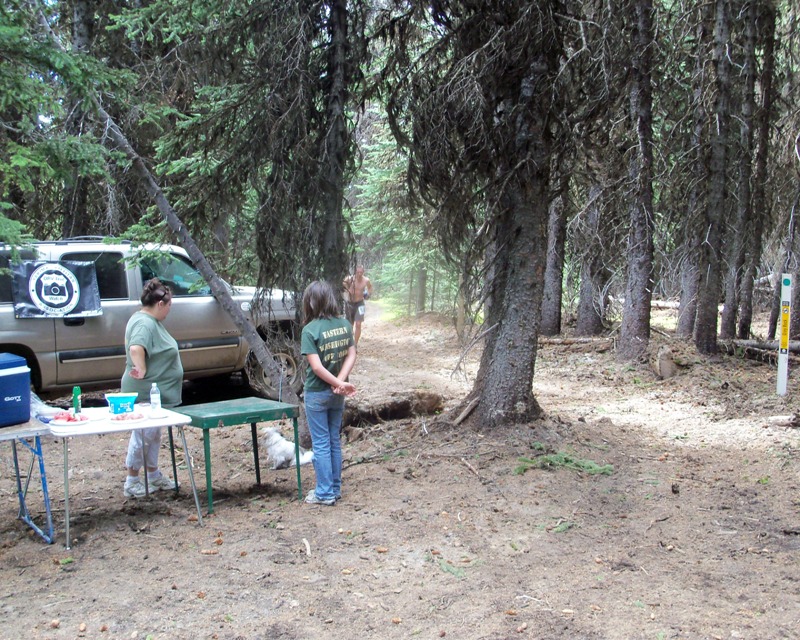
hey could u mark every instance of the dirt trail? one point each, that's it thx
(693, 531)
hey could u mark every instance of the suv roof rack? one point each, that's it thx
(90, 239)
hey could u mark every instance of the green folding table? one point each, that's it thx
(225, 413)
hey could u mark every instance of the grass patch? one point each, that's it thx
(559, 526)
(562, 460)
(400, 453)
(444, 565)
(562, 527)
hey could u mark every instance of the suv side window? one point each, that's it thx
(5, 276)
(110, 268)
(177, 273)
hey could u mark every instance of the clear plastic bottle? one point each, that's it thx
(155, 401)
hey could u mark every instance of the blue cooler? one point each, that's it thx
(15, 390)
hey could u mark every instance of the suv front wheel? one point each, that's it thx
(287, 357)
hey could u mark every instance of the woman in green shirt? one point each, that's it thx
(151, 356)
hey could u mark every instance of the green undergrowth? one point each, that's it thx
(561, 460)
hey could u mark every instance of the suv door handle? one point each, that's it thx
(74, 322)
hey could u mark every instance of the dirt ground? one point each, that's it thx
(693, 531)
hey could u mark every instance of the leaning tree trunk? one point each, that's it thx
(635, 330)
(710, 263)
(554, 271)
(742, 232)
(117, 140)
(218, 288)
(764, 120)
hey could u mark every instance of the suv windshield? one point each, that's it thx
(177, 273)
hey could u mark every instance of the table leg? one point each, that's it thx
(66, 491)
(45, 490)
(297, 461)
(191, 474)
(254, 433)
(24, 512)
(144, 464)
(172, 452)
(207, 452)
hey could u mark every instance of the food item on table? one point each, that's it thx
(122, 417)
(68, 416)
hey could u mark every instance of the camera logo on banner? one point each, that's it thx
(54, 289)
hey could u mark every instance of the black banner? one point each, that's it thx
(55, 290)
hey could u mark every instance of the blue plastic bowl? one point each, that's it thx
(121, 402)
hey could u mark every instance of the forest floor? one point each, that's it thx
(682, 519)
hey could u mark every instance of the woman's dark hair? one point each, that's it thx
(154, 292)
(319, 301)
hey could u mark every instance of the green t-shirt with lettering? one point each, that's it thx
(330, 339)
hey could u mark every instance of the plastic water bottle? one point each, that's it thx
(155, 401)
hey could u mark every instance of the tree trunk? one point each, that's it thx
(422, 289)
(507, 363)
(794, 318)
(698, 170)
(690, 284)
(591, 298)
(433, 289)
(220, 238)
(741, 235)
(759, 200)
(635, 330)
(461, 309)
(334, 252)
(710, 263)
(788, 261)
(75, 218)
(554, 271)
(411, 278)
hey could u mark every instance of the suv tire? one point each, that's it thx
(287, 356)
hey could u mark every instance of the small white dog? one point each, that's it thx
(280, 451)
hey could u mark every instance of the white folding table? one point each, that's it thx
(100, 422)
(28, 435)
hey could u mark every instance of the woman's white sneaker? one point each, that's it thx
(161, 483)
(134, 489)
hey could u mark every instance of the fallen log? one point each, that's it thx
(596, 344)
(794, 345)
(792, 420)
(756, 350)
(569, 341)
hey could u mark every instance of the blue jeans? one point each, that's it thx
(324, 411)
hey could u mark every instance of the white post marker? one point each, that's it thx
(783, 348)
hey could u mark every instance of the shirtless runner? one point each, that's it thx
(356, 287)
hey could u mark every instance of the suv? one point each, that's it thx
(90, 351)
